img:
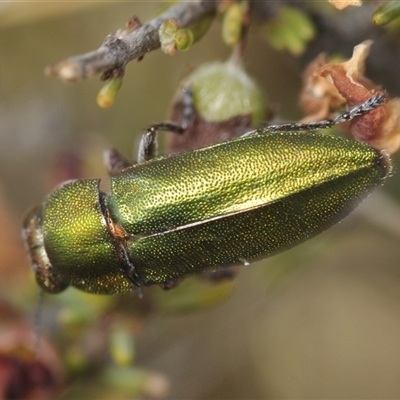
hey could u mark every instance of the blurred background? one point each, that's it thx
(321, 320)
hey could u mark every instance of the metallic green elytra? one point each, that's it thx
(173, 216)
(226, 204)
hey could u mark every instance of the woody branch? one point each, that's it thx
(119, 49)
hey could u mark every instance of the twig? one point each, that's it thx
(116, 52)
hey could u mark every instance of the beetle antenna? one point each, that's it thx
(377, 100)
(373, 102)
(38, 324)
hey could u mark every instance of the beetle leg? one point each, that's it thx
(171, 284)
(148, 143)
(373, 102)
(221, 274)
(114, 161)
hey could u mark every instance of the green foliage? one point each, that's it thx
(290, 30)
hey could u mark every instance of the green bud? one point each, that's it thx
(386, 13)
(167, 33)
(232, 24)
(184, 39)
(108, 92)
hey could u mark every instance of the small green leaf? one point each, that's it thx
(290, 30)
(386, 13)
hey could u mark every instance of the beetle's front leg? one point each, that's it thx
(115, 162)
(148, 143)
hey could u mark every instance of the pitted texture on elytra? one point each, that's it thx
(249, 235)
(230, 177)
(78, 242)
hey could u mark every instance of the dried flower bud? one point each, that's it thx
(330, 85)
(342, 4)
(319, 95)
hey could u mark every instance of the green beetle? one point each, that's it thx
(226, 204)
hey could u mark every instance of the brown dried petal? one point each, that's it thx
(389, 133)
(379, 128)
(319, 94)
(342, 4)
(353, 92)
